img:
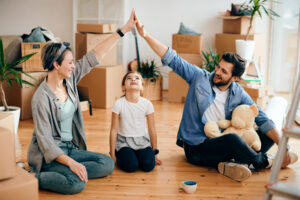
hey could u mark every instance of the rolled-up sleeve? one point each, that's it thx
(168, 57)
(84, 65)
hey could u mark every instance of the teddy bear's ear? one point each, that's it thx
(254, 110)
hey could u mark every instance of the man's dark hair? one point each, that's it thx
(237, 61)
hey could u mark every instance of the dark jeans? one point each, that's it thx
(131, 160)
(59, 178)
(228, 147)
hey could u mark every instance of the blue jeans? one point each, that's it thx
(227, 147)
(59, 178)
(131, 160)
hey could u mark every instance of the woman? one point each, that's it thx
(57, 152)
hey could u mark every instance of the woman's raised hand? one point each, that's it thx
(130, 23)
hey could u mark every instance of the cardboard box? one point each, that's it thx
(258, 91)
(33, 64)
(237, 24)
(193, 58)
(152, 89)
(7, 149)
(261, 102)
(226, 43)
(22, 186)
(187, 43)
(104, 85)
(178, 88)
(96, 28)
(21, 97)
(85, 42)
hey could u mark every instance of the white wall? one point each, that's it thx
(160, 17)
(20, 16)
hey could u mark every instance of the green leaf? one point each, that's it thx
(21, 60)
(2, 63)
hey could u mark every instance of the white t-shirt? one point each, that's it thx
(132, 116)
(216, 111)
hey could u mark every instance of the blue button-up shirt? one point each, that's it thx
(201, 95)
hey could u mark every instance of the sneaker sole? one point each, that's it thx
(234, 171)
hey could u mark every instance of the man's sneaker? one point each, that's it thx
(293, 157)
(271, 158)
(235, 171)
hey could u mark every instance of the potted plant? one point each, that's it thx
(8, 75)
(245, 48)
(210, 60)
(152, 80)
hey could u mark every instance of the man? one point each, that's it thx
(212, 97)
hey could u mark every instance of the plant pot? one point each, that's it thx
(152, 88)
(16, 112)
(245, 48)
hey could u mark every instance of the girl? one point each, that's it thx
(130, 145)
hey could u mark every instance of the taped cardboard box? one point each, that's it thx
(237, 24)
(22, 186)
(7, 148)
(21, 97)
(85, 42)
(104, 85)
(187, 43)
(178, 88)
(96, 28)
(192, 58)
(226, 43)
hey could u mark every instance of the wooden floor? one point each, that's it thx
(163, 182)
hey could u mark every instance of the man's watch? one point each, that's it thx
(155, 151)
(120, 32)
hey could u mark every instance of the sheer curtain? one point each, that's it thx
(283, 59)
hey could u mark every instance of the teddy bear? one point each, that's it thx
(242, 123)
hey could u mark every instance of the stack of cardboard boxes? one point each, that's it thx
(15, 183)
(234, 28)
(189, 48)
(103, 84)
(21, 96)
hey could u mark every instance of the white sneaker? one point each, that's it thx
(235, 171)
(271, 158)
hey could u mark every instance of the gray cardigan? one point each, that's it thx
(47, 115)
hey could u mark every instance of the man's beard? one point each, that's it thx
(222, 83)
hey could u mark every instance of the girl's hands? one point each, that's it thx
(113, 156)
(157, 161)
(130, 23)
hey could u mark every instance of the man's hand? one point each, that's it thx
(286, 160)
(140, 28)
(157, 161)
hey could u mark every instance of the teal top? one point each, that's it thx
(67, 114)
